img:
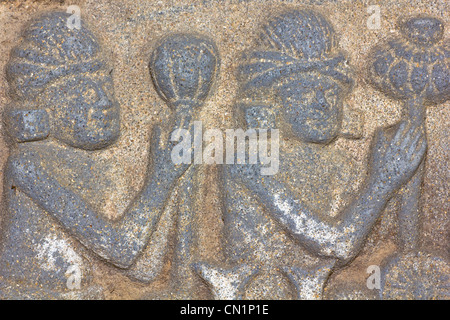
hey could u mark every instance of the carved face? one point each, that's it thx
(312, 107)
(85, 114)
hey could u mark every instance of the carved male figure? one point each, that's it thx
(285, 226)
(63, 111)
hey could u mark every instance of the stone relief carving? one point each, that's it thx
(281, 228)
(284, 234)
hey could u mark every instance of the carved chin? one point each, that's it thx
(94, 140)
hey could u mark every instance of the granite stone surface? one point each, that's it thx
(232, 149)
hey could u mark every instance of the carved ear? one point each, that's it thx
(27, 125)
(352, 123)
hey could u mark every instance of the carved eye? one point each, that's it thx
(331, 97)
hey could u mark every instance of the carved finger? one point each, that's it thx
(418, 154)
(156, 138)
(408, 139)
(415, 142)
(401, 132)
(422, 149)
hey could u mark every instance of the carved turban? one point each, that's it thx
(50, 50)
(292, 42)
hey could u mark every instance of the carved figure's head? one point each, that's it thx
(59, 70)
(299, 61)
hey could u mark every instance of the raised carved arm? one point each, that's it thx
(392, 164)
(119, 242)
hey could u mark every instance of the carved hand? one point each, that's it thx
(394, 160)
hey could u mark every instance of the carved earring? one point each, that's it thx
(27, 125)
